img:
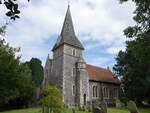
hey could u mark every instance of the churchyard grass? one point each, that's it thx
(110, 110)
(29, 110)
(121, 110)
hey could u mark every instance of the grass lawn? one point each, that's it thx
(117, 110)
(110, 110)
(30, 110)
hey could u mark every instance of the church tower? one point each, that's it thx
(68, 67)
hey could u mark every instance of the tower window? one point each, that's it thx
(73, 71)
(73, 52)
(73, 90)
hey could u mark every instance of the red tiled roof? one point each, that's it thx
(101, 74)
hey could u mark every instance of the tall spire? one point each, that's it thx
(67, 35)
(68, 28)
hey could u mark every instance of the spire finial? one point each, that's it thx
(68, 3)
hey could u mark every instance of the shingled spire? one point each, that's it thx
(67, 35)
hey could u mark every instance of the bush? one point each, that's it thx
(52, 100)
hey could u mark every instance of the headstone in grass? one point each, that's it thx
(118, 103)
(103, 107)
(132, 107)
(97, 110)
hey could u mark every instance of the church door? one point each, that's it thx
(84, 96)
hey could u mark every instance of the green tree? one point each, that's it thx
(52, 100)
(12, 8)
(15, 78)
(8, 72)
(134, 64)
(140, 33)
(26, 86)
(37, 70)
(134, 75)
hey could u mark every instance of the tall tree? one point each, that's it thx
(141, 31)
(134, 64)
(16, 84)
(37, 70)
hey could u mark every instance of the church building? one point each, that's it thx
(80, 83)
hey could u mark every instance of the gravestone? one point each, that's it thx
(99, 107)
(132, 107)
(103, 107)
(119, 104)
(97, 110)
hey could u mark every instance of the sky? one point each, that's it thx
(98, 24)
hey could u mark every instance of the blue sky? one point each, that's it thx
(98, 24)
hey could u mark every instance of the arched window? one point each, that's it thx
(96, 91)
(115, 92)
(93, 91)
(73, 90)
(106, 92)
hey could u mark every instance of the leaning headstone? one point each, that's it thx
(97, 110)
(118, 103)
(103, 107)
(132, 107)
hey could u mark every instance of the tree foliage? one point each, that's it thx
(134, 63)
(52, 100)
(37, 70)
(12, 8)
(16, 85)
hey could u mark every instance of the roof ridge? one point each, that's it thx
(97, 66)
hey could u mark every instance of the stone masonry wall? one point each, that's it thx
(111, 99)
(69, 63)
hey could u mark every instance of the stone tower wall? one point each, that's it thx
(69, 75)
(56, 77)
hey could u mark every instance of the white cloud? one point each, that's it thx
(114, 50)
(99, 20)
(92, 46)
